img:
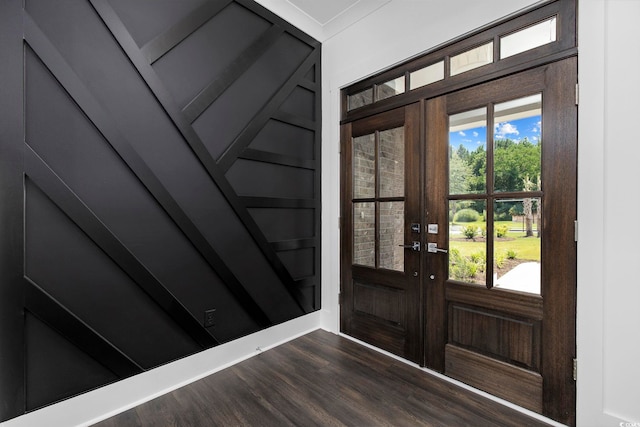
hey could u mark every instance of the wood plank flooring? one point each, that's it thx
(321, 379)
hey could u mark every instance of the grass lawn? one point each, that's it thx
(526, 248)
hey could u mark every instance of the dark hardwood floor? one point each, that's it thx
(321, 379)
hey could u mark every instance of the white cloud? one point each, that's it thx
(462, 133)
(505, 129)
(475, 134)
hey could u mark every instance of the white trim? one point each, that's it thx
(102, 403)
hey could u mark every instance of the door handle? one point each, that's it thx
(434, 249)
(415, 246)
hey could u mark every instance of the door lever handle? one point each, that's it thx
(415, 246)
(434, 249)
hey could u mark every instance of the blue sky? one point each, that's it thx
(515, 130)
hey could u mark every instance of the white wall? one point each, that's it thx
(608, 285)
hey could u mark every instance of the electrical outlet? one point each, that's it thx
(209, 318)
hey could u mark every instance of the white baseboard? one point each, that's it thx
(102, 403)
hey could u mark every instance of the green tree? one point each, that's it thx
(513, 162)
(477, 161)
(459, 174)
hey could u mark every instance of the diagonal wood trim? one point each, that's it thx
(50, 311)
(289, 245)
(46, 179)
(209, 94)
(262, 11)
(103, 122)
(292, 119)
(115, 25)
(274, 202)
(307, 282)
(308, 85)
(166, 41)
(280, 159)
(267, 112)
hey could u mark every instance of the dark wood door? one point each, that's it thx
(501, 186)
(489, 176)
(380, 295)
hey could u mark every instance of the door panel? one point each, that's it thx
(380, 278)
(509, 284)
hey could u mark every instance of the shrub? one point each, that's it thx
(479, 259)
(470, 231)
(499, 260)
(483, 231)
(501, 230)
(511, 254)
(466, 215)
(461, 268)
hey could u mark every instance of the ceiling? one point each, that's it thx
(323, 11)
(330, 17)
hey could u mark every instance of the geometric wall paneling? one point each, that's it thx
(51, 360)
(67, 265)
(169, 163)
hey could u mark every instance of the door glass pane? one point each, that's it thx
(390, 88)
(426, 75)
(528, 38)
(360, 99)
(468, 152)
(517, 243)
(518, 144)
(391, 235)
(471, 59)
(364, 167)
(468, 241)
(391, 158)
(364, 234)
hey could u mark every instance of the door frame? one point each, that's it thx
(565, 47)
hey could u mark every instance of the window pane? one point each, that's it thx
(517, 243)
(364, 167)
(468, 241)
(426, 75)
(391, 163)
(390, 88)
(467, 152)
(360, 99)
(517, 144)
(471, 59)
(391, 235)
(364, 234)
(528, 38)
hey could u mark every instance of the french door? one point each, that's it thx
(469, 267)
(381, 191)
